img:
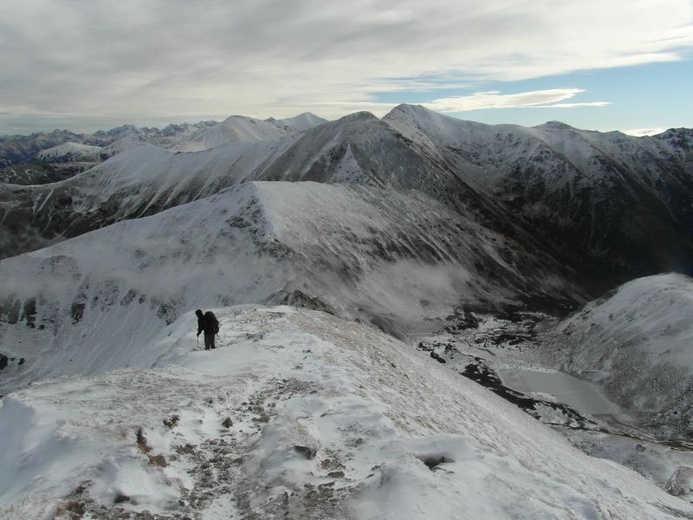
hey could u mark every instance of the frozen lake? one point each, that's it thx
(566, 389)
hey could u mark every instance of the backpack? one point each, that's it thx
(213, 322)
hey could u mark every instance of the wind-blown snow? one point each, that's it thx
(327, 419)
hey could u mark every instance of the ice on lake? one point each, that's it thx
(566, 389)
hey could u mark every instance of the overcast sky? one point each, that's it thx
(596, 64)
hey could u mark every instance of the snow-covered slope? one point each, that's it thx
(411, 224)
(637, 345)
(298, 415)
(141, 179)
(69, 301)
(246, 130)
(362, 149)
(300, 123)
(400, 261)
(71, 152)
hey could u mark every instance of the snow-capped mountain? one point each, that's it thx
(611, 203)
(71, 152)
(431, 251)
(246, 129)
(19, 149)
(20, 152)
(55, 164)
(614, 378)
(140, 179)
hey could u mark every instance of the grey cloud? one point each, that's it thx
(121, 59)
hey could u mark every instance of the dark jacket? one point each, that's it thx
(204, 325)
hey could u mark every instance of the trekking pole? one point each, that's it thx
(198, 342)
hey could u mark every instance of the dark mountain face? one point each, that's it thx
(609, 207)
(612, 207)
(596, 208)
(35, 172)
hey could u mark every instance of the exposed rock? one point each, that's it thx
(308, 452)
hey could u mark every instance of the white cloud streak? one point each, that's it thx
(130, 59)
(643, 132)
(534, 99)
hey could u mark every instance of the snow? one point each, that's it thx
(72, 151)
(143, 178)
(569, 159)
(246, 130)
(300, 123)
(329, 419)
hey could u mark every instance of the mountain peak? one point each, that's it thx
(409, 110)
(555, 125)
(300, 123)
(357, 116)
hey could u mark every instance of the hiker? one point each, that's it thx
(208, 324)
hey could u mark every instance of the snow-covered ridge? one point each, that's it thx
(485, 154)
(615, 201)
(16, 150)
(70, 152)
(300, 123)
(301, 415)
(141, 179)
(246, 130)
(69, 301)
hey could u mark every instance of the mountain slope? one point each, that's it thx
(362, 149)
(70, 152)
(142, 179)
(413, 224)
(400, 261)
(299, 415)
(617, 206)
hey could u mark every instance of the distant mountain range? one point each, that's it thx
(44, 146)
